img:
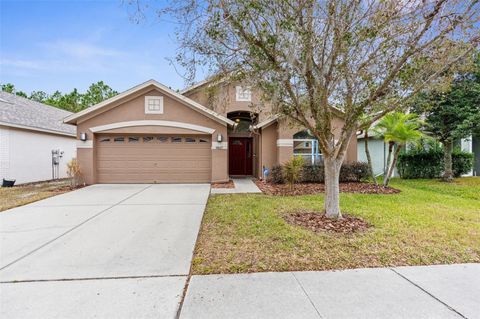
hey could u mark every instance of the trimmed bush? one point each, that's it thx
(354, 172)
(462, 163)
(313, 173)
(420, 163)
(276, 175)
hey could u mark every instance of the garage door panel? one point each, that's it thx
(160, 165)
(138, 162)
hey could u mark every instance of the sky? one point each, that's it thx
(64, 44)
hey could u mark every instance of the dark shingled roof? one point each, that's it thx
(18, 111)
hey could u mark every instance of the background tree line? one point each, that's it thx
(73, 101)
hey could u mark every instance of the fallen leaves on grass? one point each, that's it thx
(318, 222)
(314, 188)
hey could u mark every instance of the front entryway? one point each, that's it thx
(240, 155)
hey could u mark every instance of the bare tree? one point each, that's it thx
(314, 58)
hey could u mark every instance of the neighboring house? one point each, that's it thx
(33, 137)
(472, 145)
(206, 133)
(379, 152)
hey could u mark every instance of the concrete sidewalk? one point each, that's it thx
(242, 186)
(443, 291)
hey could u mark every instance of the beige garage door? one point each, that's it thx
(153, 159)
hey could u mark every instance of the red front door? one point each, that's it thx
(240, 155)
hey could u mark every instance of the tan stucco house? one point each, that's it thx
(206, 133)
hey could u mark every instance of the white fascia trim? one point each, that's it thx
(30, 128)
(85, 144)
(286, 142)
(206, 111)
(267, 122)
(203, 82)
(188, 126)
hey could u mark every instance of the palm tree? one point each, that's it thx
(397, 129)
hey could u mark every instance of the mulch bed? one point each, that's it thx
(228, 184)
(316, 188)
(318, 222)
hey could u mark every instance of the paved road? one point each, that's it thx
(106, 251)
(451, 291)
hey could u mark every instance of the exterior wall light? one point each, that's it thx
(83, 137)
(219, 138)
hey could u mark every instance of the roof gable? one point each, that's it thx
(72, 119)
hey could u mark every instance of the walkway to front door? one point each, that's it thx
(240, 155)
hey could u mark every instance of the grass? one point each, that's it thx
(429, 222)
(11, 197)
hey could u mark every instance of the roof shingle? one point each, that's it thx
(19, 111)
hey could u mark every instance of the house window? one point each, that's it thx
(243, 94)
(147, 139)
(154, 105)
(133, 139)
(306, 146)
(105, 140)
(162, 139)
(203, 140)
(190, 140)
(119, 139)
(176, 140)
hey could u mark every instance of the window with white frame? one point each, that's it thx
(306, 146)
(243, 94)
(154, 105)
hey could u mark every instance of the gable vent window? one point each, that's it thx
(154, 105)
(243, 94)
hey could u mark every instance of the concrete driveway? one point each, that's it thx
(108, 251)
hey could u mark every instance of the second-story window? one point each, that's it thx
(243, 94)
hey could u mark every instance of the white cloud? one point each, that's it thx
(22, 64)
(81, 49)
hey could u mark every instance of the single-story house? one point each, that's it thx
(35, 144)
(205, 133)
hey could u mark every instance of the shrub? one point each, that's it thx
(313, 173)
(74, 172)
(276, 175)
(292, 170)
(354, 172)
(462, 163)
(421, 163)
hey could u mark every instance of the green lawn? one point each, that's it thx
(429, 222)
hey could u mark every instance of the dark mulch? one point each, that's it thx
(318, 222)
(316, 188)
(228, 184)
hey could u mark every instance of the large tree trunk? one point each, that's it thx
(392, 166)
(332, 187)
(369, 158)
(447, 158)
